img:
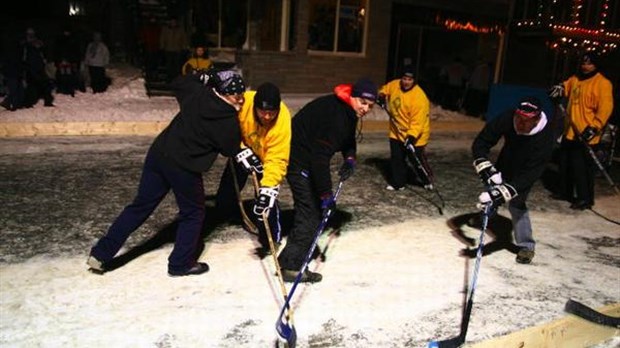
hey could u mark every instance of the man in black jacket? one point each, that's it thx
(323, 127)
(205, 127)
(528, 144)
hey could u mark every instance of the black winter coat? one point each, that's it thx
(523, 158)
(321, 128)
(205, 127)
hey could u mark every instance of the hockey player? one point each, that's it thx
(205, 127)
(265, 123)
(528, 144)
(590, 104)
(408, 108)
(321, 128)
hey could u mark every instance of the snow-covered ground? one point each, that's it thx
(393, 273)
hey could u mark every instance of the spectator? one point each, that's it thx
(477, 96)
(453, 77)
(13, 71)
(38, 84)
(198, 63)
(67, 59)
(96, 59)
(173, 43)
(149, 37)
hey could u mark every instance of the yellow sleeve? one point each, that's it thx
(276, 149)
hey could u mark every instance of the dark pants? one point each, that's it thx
(228, 205)
(98, 81)
(399, 155)
(576, 172)
(158, 177)
(306, 203)
(15, 94)
(38, 86)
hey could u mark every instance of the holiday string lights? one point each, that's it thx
(575, 36)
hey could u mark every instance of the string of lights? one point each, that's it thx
(572, 34)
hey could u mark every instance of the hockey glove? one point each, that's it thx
(556, 92)
(347, 168)
(410, 141)
(381, 101)
(487, 172)
(588, 133)
(496, 196)
(267, 197)
(249, 161)
(327, 202)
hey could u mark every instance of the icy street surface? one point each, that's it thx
(393, 273)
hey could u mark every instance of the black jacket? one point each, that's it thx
(523, 158)
(205, 127)
(321, 128)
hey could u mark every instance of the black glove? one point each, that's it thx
(496, 196)
(267, 197)
(410, 140)
(347, 168)
(328, 202)
(381, 101)
(487, 172)
(556, 92)
(249, 160)
(588, 133)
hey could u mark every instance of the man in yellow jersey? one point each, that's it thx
(590, 103)
(408, 108)
(265, 124)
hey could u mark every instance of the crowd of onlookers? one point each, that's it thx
(32, 70)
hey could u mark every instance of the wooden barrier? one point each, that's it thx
(568, 332)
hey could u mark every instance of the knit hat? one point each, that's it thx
(267, 97)
(229, 82)
(364, 88)
(408, 71)
(529, 107)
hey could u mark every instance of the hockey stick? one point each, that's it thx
(591, 153)
(246, 220)
(285, 329)
(421, 168)
(460, 339)
(418, 163)
(589, 314)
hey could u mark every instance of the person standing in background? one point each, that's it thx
(97, 57)
(173, 43)
(590, 103)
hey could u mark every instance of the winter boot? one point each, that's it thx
(525, 256)
(308, 277)
(95, 265)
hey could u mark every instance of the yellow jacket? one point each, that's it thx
(590, 103)
(194, 64)
(272, 145)
(409, 112)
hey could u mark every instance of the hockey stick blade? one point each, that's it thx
(287, 332)
(454, 342)
(589, 314)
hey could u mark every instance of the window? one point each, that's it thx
(337, 26)
(248, 24)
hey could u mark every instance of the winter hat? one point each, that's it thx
(408, 71)
(529, 107)
(229, 82)
(364, 88)
(591, 58)
(267, 97)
